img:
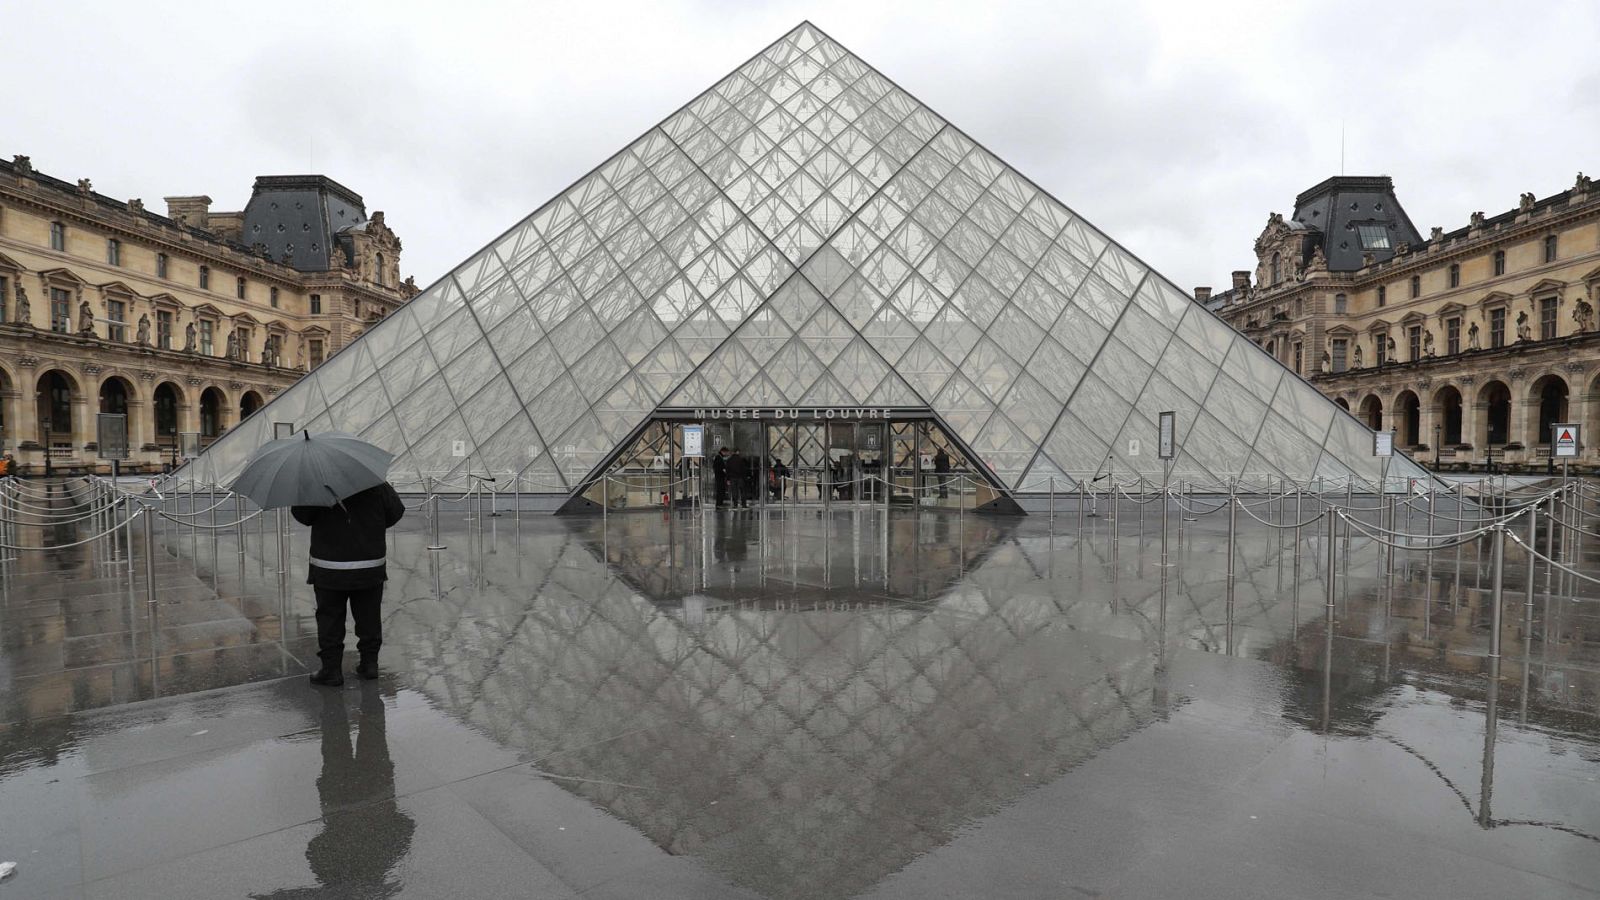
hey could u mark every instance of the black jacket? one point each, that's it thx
(348, 532)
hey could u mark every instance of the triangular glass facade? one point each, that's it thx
(805, 233)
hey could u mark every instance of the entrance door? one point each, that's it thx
(743, 438)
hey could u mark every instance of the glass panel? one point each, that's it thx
(1057, 370)
(1098, 406)
(1231, 403)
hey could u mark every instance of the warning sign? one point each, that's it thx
(1564, 443)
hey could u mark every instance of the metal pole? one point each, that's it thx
(1497, 595)
(1082, 496)
(1233, 531)
(433, 512)
(1332, 525)
(1533, 541)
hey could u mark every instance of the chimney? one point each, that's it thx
(1241, 280)
(1202, 294)
(192, 211)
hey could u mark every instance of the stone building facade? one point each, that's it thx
(186, 322)
(1468, 344)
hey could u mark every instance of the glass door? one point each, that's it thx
(869, 461)
(810, 462)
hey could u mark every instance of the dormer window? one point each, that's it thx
(1373, 237)
(1276, 267)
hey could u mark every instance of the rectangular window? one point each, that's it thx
(272, 297)
(1299, 358)
(1340, 352)
(1340, 304)
(315, 351)
(1380, 345)
(1550, 249)
(205, 278)
(1414, 341)
(58, 236)
(206, 333)
(117, 313)
(1452, 335)
(164, 329)
(1547, 318)
(60, 311)
(238, 287)
(1499, 262)
(1497, 327)
(244, 343)
(1373, 237)
(161, 265)
(113, 252)
(1416, 286)
(1455, 275)
(1383, 295)
(269, 352)
(316, 304)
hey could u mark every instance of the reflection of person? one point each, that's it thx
(736, 472)
(941, 471)
(347, 566)
(364, 833)
(752, 478)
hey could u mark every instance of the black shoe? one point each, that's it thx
(367, 669)
(328, 677)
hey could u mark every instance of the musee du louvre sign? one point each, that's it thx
(846, 413)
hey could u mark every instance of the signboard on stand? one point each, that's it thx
(281, 430)
(1383, 444)
(1167, 435)
(189, 444)
(111, 435)
(1564, 441)
(694, 440)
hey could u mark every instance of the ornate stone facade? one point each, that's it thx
(185, 322)
(1469, 345)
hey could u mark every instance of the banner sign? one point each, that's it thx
(694, 440)
(111, 434)
(1564, 441)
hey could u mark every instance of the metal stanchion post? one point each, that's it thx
(1082, 497)
(1499, 555)
(1533, 541)
(1233, 534)
(1052, 504)
(605, 499)
(433, 512)
(1332, 526)
(238, 520)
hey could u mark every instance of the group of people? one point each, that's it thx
(738, 478)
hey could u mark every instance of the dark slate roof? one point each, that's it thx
(302, 215)
(1341, 206)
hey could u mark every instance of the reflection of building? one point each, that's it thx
(186, 322)
(1478, 339)
(835, 280)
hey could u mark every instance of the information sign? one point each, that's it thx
(281, 430)
(1564, 442)
(189, 444)
(111, 435)
(694, 440)
(1167, 442)
(1133, 446)
(1383, 444)
(458, 448)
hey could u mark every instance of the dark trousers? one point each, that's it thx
(366, 607)
(736, 492)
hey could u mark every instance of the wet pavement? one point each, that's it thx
(804, 704)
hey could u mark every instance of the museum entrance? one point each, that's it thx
(793, 458)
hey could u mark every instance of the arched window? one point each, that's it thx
(377, 269)
(166, 407)
(210, 413)
(1277, 263)
(1552, 397)
(114, 397)
(1497, 409)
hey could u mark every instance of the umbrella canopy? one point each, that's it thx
(312, 470)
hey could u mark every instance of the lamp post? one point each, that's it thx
(1437, 430)
(174, 446)
(49, 468)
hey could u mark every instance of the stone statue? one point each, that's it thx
(188, 338)
(300, 355)
(1319, 260)
(1427, 343)
(85, 318)
(1583, 183)
(1524, 331)
(1389, 347)
(1583, 314)
(1358, 357)
(1472, 336)
(1477, 219)
(1525, 202)
(24, 316)
(1435, 233)
(1327, 363)
(143, 336)
(233, 344)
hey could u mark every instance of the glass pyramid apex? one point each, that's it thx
(807, 232)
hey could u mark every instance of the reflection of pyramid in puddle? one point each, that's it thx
(801, 753)
(783, 558)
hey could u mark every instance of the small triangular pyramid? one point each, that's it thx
(807, 233)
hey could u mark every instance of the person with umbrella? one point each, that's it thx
(337, 484)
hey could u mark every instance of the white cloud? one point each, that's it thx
(1175, 127)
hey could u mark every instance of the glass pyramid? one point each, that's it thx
(807, 233)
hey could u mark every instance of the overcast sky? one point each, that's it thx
(1174, 127)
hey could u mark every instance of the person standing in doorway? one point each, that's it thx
(777, 474)
(719, 472)
(941, 471)
(752, 479)
(736, 472)
(347, 569)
